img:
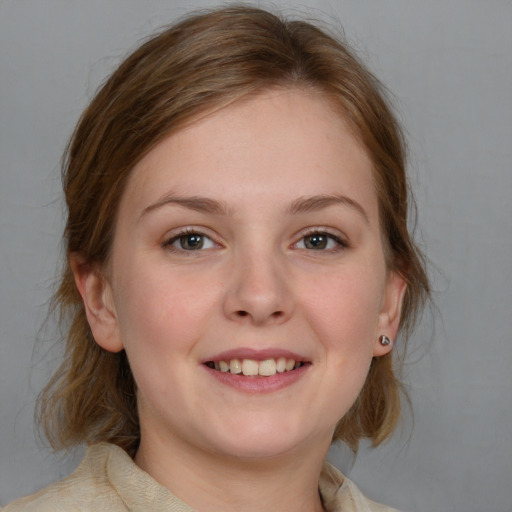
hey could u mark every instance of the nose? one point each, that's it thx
(259, 290)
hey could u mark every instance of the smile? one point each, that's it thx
(253, 368)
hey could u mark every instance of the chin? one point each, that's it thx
(257, 449)
(262, 441)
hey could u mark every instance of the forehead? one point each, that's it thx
(281, 143)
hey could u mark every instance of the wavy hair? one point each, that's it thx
(203, 63)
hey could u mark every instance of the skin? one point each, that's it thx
(256, 283)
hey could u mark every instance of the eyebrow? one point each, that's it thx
(319, 202)
(301, 205)
(197, 203)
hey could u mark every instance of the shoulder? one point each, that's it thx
(86, 489)
(341, 494)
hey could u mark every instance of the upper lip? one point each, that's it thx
(256, 354)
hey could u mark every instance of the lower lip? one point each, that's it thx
(258, 384)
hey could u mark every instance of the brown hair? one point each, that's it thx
(200, 64)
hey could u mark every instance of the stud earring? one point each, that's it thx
(384, 340)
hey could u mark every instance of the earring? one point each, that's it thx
(384, 340)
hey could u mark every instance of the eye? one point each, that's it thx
(190, 241)
(320, 241)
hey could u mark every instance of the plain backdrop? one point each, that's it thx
(448, 64)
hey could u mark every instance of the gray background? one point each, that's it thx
(449, 64)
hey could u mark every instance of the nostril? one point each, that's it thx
(275, 316)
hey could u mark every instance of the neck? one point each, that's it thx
(211, 483)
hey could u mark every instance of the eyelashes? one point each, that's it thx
(321, 240)
(193, 240)
(190, 240)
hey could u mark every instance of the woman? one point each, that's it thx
(238, 270)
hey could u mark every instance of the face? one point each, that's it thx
(247, 281)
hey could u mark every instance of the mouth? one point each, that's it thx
(256, 368)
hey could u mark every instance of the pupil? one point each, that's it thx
(316, 242)
(190, 242)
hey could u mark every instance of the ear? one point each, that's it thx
(99, 305)
(389, 316)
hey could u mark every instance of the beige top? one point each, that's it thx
(109, 480)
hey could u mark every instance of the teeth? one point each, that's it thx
(281, 364)
(267, 367)
(251, 367)
(235, 366)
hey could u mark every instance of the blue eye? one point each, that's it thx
(190, 242)
(320, 241)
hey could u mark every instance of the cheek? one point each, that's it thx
(160, 310)
(156, 328)
(345, 312)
